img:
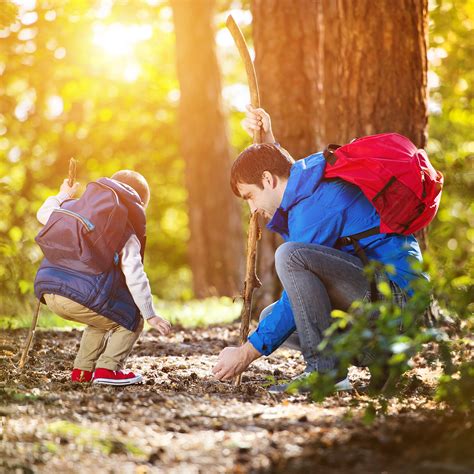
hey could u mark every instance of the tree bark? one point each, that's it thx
(375, 68)
(216, 245)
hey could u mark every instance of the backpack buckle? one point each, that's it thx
(329, 155)
(343, 242)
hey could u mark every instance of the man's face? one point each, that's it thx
(267, 200)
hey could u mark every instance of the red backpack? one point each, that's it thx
(396, 177)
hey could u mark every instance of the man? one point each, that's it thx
(311, 214)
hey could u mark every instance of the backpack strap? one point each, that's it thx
(354, 241)
(343, 241)
(328, 153)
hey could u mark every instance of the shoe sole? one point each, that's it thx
(123, 382)
(277, 390)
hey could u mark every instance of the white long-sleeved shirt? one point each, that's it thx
(130, 261)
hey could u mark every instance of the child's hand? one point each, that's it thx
(69, 190)
(258, 119)
(160, 324)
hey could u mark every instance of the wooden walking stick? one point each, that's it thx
(251, 280)
(34, 322)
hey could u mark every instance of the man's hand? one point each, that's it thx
(160, 324)
(258, 119)
(233, 361)
(69, 190)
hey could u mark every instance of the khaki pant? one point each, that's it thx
(104, 344)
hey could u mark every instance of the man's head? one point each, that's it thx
(259, 175)
(136, 181)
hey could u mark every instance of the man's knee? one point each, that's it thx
(284, 254)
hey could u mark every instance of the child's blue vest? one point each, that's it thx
(106, 293)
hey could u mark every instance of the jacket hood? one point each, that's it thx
(130, 198)
(305, 176)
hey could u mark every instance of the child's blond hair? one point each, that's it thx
(136, 181)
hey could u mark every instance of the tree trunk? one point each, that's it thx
(216, 244)
(332, 70)
(288, 46)
(375, 68)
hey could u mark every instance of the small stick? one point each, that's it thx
(34, 322)
(72, 172)
(29, 339)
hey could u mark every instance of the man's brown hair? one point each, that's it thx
(249, 166)
(136, 181)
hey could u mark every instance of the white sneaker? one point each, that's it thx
(342, 385)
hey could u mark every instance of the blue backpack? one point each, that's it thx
(87, 234)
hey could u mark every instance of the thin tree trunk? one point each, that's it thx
(216, 244)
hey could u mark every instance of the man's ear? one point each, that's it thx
(268, 178)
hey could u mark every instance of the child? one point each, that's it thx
(113, 303)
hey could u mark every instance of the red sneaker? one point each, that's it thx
(115, 377)
(81, 376)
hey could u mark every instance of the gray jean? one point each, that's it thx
(317, 280)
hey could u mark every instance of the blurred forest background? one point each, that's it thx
(157, 87)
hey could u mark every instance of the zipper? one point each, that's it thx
(84, 221)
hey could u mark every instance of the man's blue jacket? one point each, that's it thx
(320, 211)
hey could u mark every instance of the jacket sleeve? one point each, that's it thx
(136, 278)
(275, 328)
(52, 203)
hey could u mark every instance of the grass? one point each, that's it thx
(199, 313)
(193, 313)
(46, 320)
(93, 438)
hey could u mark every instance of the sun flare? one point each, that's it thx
(118, 43)
(117, 39)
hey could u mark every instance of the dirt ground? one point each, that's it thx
(181, 420)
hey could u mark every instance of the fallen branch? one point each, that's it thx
(72, 172)
(29, 338)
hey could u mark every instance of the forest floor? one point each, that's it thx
(181, 420)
